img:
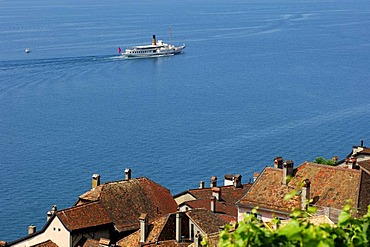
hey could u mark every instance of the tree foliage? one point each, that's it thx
(298, 231)
(323, 161)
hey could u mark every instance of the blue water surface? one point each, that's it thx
(258, 79)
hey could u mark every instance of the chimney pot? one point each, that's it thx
(287, 171)
(278, 162)
(305, 193)
(143, 227)
(213, 204)
(178, 227)
(201, 185)
(237, 181)
(31, 229)
(213, 181)
(95, 180)
(50, 213)
(216, 192)
(127, 174)
(352, 163)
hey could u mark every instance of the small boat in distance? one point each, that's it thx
(156, 49)
(27, 50)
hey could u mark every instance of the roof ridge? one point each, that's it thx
(79, 206)
(327, 166)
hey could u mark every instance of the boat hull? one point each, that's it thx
(155, 52)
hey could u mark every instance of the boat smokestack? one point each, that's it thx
(154, 40)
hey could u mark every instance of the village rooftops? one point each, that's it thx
(329, 187)
(162, 232)
(125, 200)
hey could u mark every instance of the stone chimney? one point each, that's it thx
(287, 171)
(50, 213)
(216, 192)
(237, 181)
(352, 163)
(143, 227)
(178, 227)
(95, 180)
(305, 193)
(31, 229)
(127, 174)
(278, 162)
(213, 181)
(201, 185)
(197, 239)
(213, 204)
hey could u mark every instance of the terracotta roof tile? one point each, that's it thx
(47, 243)
(229, 196)
(154, 229)
(84, 216)
(330, 187)
(365, 165)
(207, 221)
(91, 243)
(125, 200)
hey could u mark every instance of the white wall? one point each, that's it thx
(55, 232)
(266, 216)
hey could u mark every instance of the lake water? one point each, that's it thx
(258, 79)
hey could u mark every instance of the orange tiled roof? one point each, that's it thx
(162, 231)
(84, 216)
(47, 243)
(125, 200)
(91, 243)
(365, 165)
(154, 228)
(330, 187)
(229, 196)
(207, 221)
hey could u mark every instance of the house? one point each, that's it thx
(175, 229)
(364, 192)
(358, 154)
(107, 211)
(328, 187)
(217, 199)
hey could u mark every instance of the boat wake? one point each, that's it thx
(57, 62)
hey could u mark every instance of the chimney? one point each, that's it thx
(104, 242)
(154, 40)
(201, 185)
(95, 180)
(352, 163)
(278, 162)
(213, 181)
(287, 170)
(31, 229)
(127, 174)
(305, 193)
(335, 158)
(143, 227)
(213, 204)
(50, 213)
(178, 227)
(237, 181)
(197, 239)
(216, 192)
(362, 143)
